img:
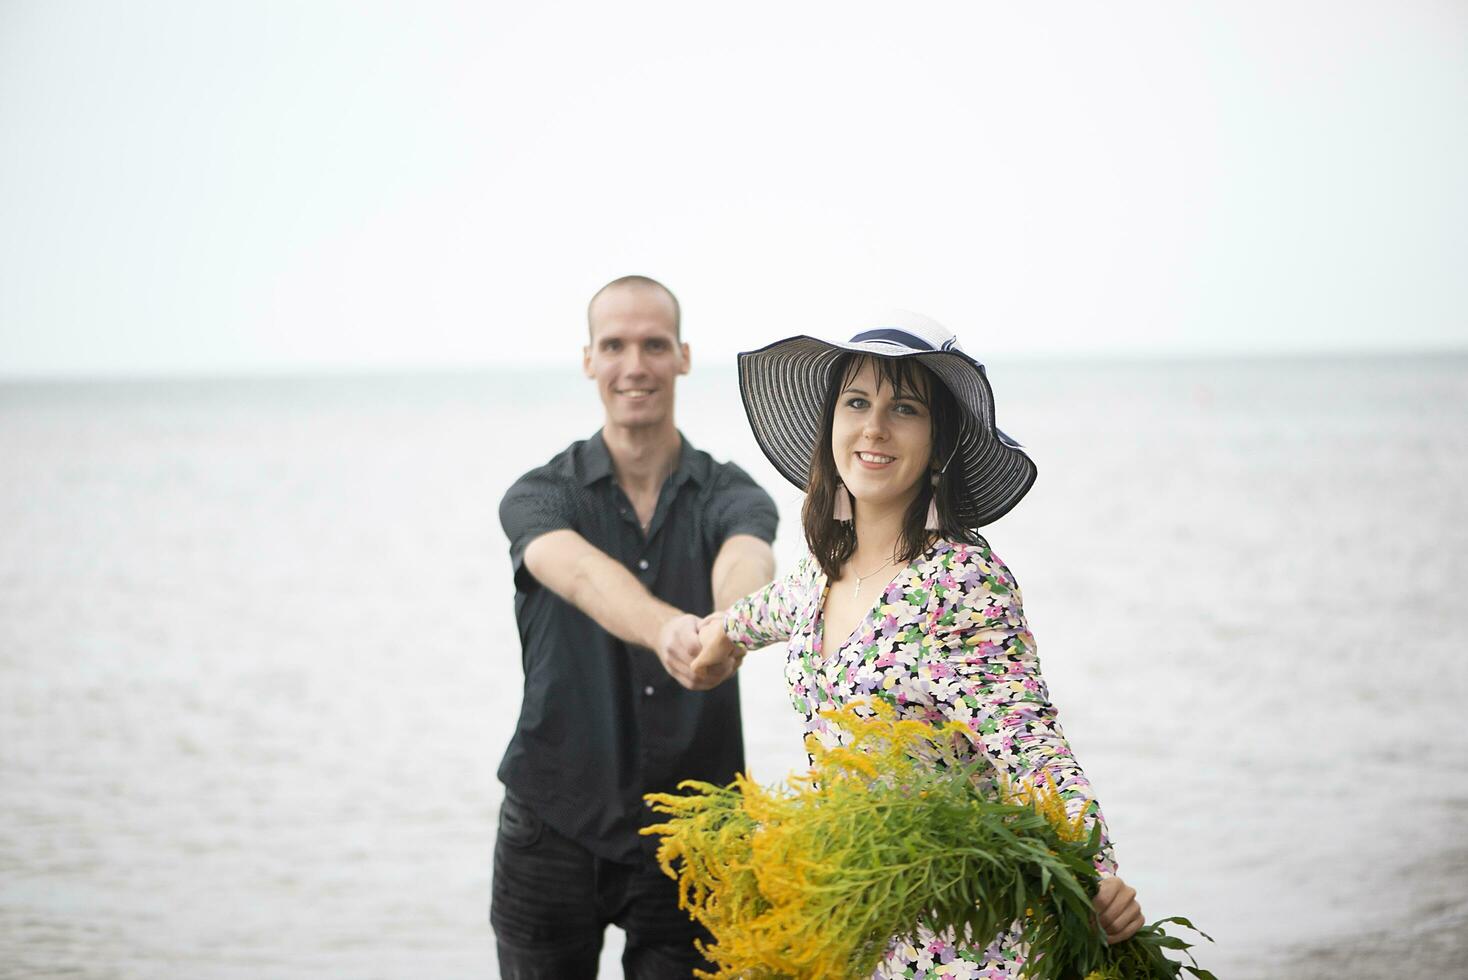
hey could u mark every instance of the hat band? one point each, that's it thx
(895, 336)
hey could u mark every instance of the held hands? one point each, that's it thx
(1117, 909)
(677, 647)
(696, 653)
(719, 657)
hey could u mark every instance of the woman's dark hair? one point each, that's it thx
(832, 542)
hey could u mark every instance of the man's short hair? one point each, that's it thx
(638, 281)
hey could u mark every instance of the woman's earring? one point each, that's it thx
(932, 522)
(841, 510)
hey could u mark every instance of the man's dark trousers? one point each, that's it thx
(552, 900)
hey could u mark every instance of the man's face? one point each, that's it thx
(635, 355)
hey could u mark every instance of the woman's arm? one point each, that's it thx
(769, 615)
(984, 672)
(981, 638)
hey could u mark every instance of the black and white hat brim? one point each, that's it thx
(784, 384)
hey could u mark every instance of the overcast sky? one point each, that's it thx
(242, 186)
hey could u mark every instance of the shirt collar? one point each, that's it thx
(596, 462)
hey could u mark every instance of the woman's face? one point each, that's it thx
(881, 440)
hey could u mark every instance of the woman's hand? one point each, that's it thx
(719, 658)
(1116, 907)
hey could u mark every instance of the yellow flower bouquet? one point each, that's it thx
(886, 835)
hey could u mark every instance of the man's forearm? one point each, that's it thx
(741, 569)
(617, 602)
(599, 586)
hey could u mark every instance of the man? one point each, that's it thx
(619, 544)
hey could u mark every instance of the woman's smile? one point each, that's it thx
(875, 461)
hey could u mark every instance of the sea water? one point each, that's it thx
(258, 659)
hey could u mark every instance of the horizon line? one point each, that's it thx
(367, 370)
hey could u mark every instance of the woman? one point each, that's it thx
(892, 437)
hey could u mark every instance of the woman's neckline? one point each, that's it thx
(877, 602)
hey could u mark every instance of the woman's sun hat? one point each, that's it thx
(784, 385)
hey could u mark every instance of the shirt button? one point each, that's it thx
(642, 564)
(648, 690)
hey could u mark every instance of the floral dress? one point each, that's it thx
(945, 641)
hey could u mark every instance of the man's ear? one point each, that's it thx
(586, 361)
(687, 359)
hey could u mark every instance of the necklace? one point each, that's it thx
(856, 592)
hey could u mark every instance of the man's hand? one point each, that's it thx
(719, 658)
(677, 647)
(1117, 909)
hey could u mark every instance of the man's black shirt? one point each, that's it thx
(601, 722)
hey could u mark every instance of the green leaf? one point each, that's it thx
(1185, 924)
(1170, 942)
